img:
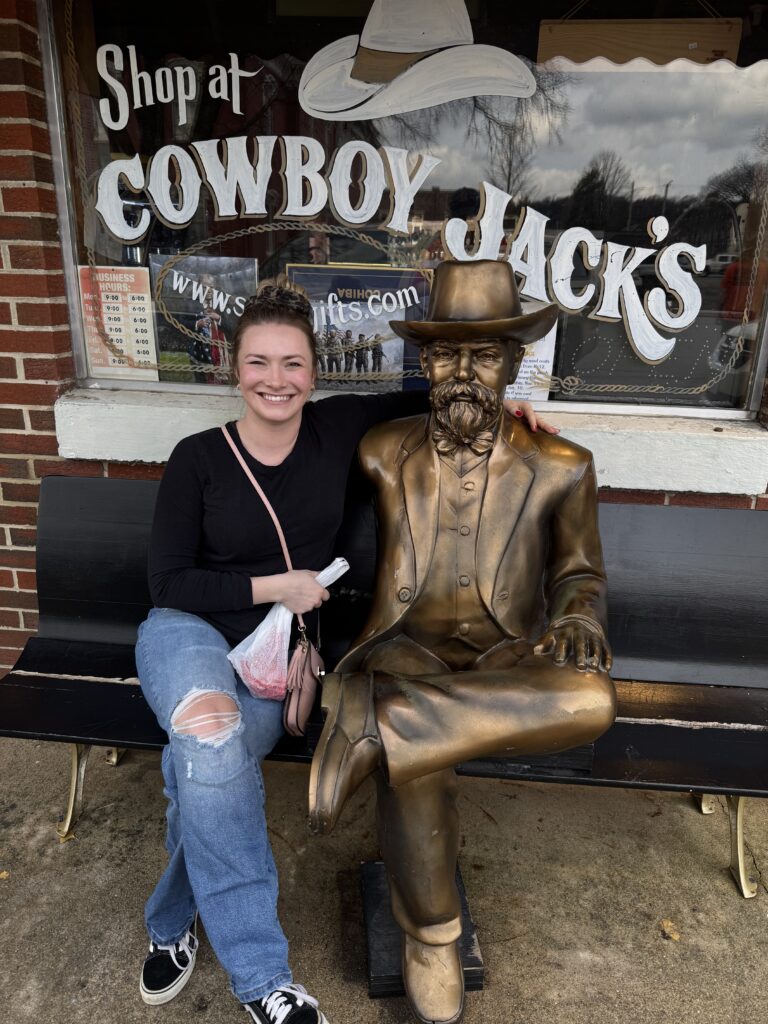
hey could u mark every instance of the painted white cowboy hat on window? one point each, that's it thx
(412, 54)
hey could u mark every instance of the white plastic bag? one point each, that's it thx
(261, 660)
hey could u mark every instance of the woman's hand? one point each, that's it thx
(525, 410)
(299, 591)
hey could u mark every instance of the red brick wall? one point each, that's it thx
(35, 346)
(35, 342)
(692, 499)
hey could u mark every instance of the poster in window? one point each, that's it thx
(353, 305)
(531, 383)
(117, 321)
(198, 303)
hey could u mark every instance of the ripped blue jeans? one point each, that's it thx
(220, 859)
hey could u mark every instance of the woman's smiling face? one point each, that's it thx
(275, 372)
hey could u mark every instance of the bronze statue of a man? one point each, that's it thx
(485, 635)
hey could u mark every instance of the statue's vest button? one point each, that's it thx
(463, 629)
(464, 531)
(503, 595)
(404, 594)
(464, 581)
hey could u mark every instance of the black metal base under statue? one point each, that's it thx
(385, 977)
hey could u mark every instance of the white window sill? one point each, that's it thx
(636, 452)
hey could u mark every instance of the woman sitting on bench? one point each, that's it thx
(216, 567)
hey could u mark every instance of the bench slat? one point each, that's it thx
(692, 703)
(631, 754)
(77, 711)
(77, 658)
(698, 760)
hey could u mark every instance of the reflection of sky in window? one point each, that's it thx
(666, 125)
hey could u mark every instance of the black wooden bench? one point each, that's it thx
(688, 625)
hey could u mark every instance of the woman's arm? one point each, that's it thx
(298, 590)
(177, 581)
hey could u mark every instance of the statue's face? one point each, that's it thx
(486, 362)
(467, 381)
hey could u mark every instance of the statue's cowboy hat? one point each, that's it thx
(410, 55)
(474, 300)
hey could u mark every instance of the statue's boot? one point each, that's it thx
(433, 980)
(349, 749)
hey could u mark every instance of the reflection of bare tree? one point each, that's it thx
(706, 221)
(612, 172)
(712, 218)
(605, 179)
(512, 132)
(588, 202)
(506, 128)
(509, 169)
(743, 183)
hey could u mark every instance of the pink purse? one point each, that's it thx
(305, 665)
(304, 670)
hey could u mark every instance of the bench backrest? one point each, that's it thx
(92, 540)
(687, 593)
(687, 586)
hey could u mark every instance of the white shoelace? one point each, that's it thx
(278, 1006)
(187, 945)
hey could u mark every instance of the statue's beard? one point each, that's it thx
(464, 410)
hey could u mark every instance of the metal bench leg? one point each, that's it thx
(79, 752)
(707, 803)
(114, 755)
(746, 885)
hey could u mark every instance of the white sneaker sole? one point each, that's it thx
(167, 994)
(322, 1019)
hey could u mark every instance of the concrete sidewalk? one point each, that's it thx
(568, 886)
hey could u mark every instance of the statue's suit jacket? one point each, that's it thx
(538, 548)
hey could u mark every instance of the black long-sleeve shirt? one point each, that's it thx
(211, 531)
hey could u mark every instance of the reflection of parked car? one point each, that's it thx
(728, 341)
(734, 385)
(718, 263)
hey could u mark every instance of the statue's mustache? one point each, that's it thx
(445, 394)
(463, 411)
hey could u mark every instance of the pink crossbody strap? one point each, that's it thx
(267, 504)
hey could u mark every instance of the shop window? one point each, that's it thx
(208, 155)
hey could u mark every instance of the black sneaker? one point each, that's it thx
(167, 969)
(287, 1005)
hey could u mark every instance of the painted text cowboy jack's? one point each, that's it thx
(238, 170)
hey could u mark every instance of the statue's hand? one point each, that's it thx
(587, 649)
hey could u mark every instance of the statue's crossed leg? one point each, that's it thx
(412, 719)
